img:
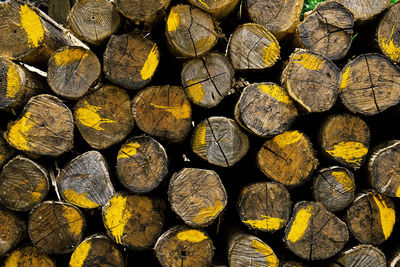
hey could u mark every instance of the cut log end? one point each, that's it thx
(388, 33)
(365, 10)
(362, 255)
(142, 10)
(12, 230)
(28, 255)
(218, 9)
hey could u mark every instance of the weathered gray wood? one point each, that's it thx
(142, 10)
(361, 255)
(365, 9)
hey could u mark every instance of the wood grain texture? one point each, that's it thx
(12, 230)
(58, 10)
(365, 9)
(28, 256)
(361, 255)
(388, 33)
(218, 9)
(142, 10)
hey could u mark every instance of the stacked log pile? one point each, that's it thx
(199, 133)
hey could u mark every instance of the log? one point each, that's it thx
(279, 17)
(85, 181)
(327, 30)
(186, 247)
(369, 84)
(252, 47)
(384, 169)
(59, 9)
(71, 71)
(218, 9)
(312, 80)
(17, 85)
(219, 141)
(134, 221)
(23, 184)
(93, 21)
(288, 158)
(247, 250)
(365, 10)
(388, 33)
(130, 60)
(104, 117)
(265, 109)
(97, 250)
(334, 187)
(371, 218)
(264, 206)
(12, 230)
(314, 233)
(197, 196)
(45, 127)
(142, 10)
(56, 227)
(361, 255)
(208, 80)
(163, 111)
(345, 138)
(29, 35)
(190, 31)
(6, 152)
(28, 256)
(142, 163)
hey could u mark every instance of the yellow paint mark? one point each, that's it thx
(344, 179)
(199, 138)
(388, 215)
(80, 200)
(204, 42)
(269, 53)
(208, 212)
(267, 224)
(40, 187)
(14, 259)
(388, 46)
(80, 254)
(195, 90)
(1, 158)
(151, 64)
(128, 150)
(69, 56)
(276, 92)
(270, 257)
(20, 131)
(300, 224)
(351, 152)
(309, 61)
(182, 112)
(117, 216)
(13, 82)
(397, 191)
(204, 4)
(32, 25)
(287, 138)
(193, 236)
(345, 79)
(173, 21)
(87, 115)
(74, 219)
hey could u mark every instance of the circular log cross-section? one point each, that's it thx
(93, 20)
(278, 17)
(185, 247)
(85, 181)
(56, 227)
(328, 30)
(134, 221)
(142, 163)
(71, 71)
(130, 60)
(219, 141)
(190, 31)
(207, 80)
(384, 169)
(197, 196)
(28, 256)
(23, 184)
(361, 255)
(96, 250)
(369, 84)
(6, 152)
(334, 187)
(142, 10)
(218, 9)
(345, 138)
(104, 117)
(12, 230)
(45, 127)
(288, 158)
(388, 33)
(265, 109)
(163, 111)
(312, 80)
(252, 47)
(265, 206)
(314, 233)
(365, 9)
(371, 218)
(247, 250)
